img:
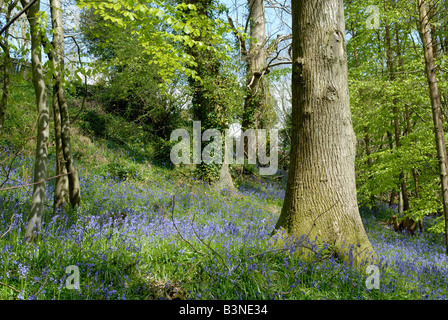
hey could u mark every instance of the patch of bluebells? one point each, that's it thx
(235, 233)
(419, 264)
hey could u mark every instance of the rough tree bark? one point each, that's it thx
(436, 107)
(321, 200)
(40, 164)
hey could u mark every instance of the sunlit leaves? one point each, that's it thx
(162, 30)
(374, 96)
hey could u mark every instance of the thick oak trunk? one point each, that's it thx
(321, 200)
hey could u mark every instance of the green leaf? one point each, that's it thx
(187, 29)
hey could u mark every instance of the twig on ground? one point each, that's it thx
(180, 234)
(10, 287)
(32, 184)
(208, 246)
(43, 285)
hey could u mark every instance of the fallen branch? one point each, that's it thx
(207, 245)
(10, 287)
(180, 234)
(34, 183)
(43, 285)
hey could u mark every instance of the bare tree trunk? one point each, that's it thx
(366, 136)
(436, 108)
(61, 186)
(414, 170)
(62, 119)
(40, 165)
(204, 102)
(321, 201)
(369, 164)
(61, 191)
(432, 14)
(390, 64)
(256, 60)
(256, 56)
(6, 84)
(6, 72)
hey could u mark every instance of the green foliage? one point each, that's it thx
(133, 87)
(373, 97)
(20, 114)
(160, 150)
(94, 124)
(122, 170)
(149, 89)
(166, 26)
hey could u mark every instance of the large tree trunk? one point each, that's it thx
(321, 200)
(436, 108)
(65, 163)
(40, 165)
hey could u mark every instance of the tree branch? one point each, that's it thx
(17, 16)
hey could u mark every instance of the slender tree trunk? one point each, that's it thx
(40, 165)
(366, 129)
(321, 201)
(6, 84)
(63, 144)
(205, 105)
(446, 34)
(61, 186)
(414, 170)
(432, 13)
(61, 191)
(436, 108)
(406, 202)
(6, 73)
(255, 99)
(390, 64)
(393, 192)
(369, 164)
